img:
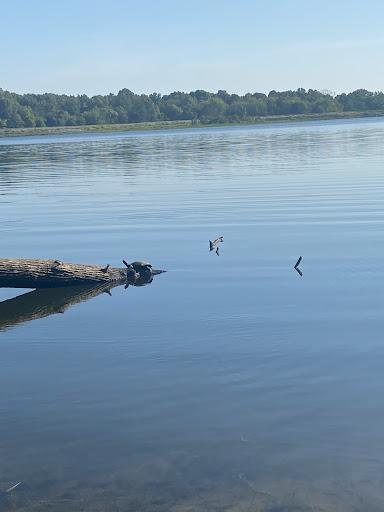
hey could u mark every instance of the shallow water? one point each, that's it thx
(228, 383)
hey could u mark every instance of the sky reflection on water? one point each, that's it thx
(229, 383)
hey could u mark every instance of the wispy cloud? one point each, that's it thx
(336, 45)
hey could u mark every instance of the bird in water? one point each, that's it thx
(215, 243)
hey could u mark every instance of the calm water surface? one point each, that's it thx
(230, 383)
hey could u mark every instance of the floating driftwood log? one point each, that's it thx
(16, 273)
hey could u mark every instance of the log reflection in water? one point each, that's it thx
(44, 302)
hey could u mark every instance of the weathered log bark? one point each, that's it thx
(54, 274)
(42, 303)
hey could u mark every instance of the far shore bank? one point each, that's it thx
(171, 125)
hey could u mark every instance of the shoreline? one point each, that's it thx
(171, 125)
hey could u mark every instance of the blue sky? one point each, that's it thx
(96, 47)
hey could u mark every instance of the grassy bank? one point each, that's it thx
(164, 125)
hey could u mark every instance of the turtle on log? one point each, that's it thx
(140, 269)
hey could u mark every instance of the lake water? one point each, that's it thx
(229, 383)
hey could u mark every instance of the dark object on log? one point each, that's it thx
(214, 243)
(142, 267)
(54, 274)
(132, 275)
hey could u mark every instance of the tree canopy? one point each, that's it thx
(30, 110)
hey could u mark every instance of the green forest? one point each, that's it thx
(39, 110)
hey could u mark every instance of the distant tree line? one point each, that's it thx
(29, 110)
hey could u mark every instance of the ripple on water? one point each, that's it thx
(229, 383)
